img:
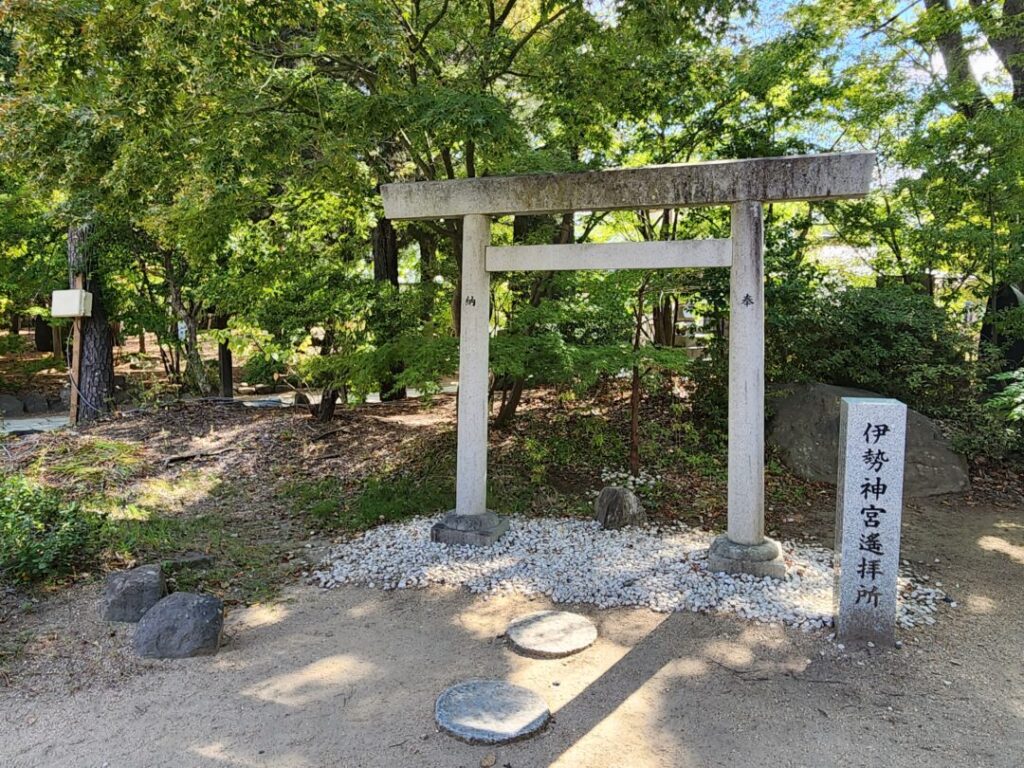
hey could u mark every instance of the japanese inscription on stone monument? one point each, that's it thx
(872, 442)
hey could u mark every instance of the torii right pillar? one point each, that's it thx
(744, 547)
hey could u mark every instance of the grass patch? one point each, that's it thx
(319, 500)
(245, 570)
(398, 497)
(381, 499)
(87, 464)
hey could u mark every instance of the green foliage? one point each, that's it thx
(43, 536)
(263, 368)
(894, 341)
(12, 345)
(397, 496)
(1009, 403)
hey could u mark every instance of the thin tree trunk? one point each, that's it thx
(224, 362)
(635, 385)
(194, 369)
(385, 268)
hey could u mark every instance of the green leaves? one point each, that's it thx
(41, 534)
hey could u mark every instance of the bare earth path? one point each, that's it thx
(348, 677)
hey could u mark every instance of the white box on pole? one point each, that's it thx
(71, 303)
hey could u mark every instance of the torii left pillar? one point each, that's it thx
(471, 522)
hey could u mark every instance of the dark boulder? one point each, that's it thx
(617, 507)
(181, 625)
(127, 595)
(805, 431)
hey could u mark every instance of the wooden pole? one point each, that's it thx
(76, 356)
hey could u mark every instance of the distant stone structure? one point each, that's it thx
(744, 185)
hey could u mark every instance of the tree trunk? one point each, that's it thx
(510, 403)
(385, 252)
(224, 362)
(43, 335)
(523, 228)
(96, 371)
(427, 241)
(328, 404)
(385, 268)
(634, 423)
(96, 385)
(665, 312)
(636, 384)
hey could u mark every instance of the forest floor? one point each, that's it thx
(348, 676)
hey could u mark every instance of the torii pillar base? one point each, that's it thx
(764, 559)
(476, 530)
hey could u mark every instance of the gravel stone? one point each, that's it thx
(574, 561)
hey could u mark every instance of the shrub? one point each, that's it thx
(892, 340)
(41, 534)
(263, 369)
(11, 344)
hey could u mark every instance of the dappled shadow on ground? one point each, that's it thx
(349, 677)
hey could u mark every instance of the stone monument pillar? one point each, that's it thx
(869, 510)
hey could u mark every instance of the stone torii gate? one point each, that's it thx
(745, 185)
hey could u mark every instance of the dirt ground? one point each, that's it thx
(348, 677)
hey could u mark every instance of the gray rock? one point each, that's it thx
(35, 402)
(805, 431)
(127, 595)
(179, 626)
(551, 634)
(617, 507)
(65, 396)
(11, 406)
(490, 712)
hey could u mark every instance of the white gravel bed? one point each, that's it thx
(574, 561)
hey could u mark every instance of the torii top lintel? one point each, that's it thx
(768, 179)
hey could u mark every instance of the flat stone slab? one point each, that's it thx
(551, 634)
(490, 712)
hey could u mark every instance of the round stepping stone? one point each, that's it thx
(490, 712)
(551, 634)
